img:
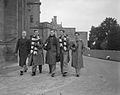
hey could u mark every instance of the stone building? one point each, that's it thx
(19, 15)
(16, 16)
(45, 28)
(84, 37)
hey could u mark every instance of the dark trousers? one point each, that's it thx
(52, 68)
(61, 66)
(34, 68)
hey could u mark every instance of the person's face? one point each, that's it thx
(63, 33)
(24, 34)
(76, 36)
(36, 33)
(52, 33)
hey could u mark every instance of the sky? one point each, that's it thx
(81, 14)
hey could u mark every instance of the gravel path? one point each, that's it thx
(99, 77)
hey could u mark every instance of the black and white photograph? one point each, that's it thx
(59, 47)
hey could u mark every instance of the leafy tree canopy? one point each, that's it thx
(106, 35)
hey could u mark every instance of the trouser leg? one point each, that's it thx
(65, 63)
(40, 68)
(25, 68)
(34, 68)
(53, 70)
(21, 71)
(50, 68)
(61, 66)
(77, 71)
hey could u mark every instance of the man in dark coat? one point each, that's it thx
(36, 52)
(64, 52)
(22, 47)
(52, 47)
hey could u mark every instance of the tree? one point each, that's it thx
(105, 36)
(114, 39)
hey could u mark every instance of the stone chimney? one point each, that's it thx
(55, 19)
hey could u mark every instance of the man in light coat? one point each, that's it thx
(77, 48)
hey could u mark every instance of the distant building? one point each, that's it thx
(70, 32)
(45, 28)
(16, 16)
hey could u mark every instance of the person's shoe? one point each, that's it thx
(25, 70)
(33, 73)
(53, 75)
(21, 73)
(64, 74)
(77, 75)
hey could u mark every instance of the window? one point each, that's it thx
(31, 18)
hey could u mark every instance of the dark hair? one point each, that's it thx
(63, 31)
(35, 30)
(76, 33)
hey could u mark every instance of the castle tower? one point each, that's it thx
(30, 15)
(16, 16)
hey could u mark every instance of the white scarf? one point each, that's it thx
(34, 48)
(63, 43)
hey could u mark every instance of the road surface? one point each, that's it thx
(99, 77)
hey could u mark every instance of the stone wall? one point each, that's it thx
(10, 28)
(10, 20)
(1, 19)
(2, 60)
(32, 15)
(14, 18)
(70, 32)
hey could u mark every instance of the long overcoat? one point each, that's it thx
(38, 59)
(52, 50)
(77, 52)
(65, 53)
(22, 47)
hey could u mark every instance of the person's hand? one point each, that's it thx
(88, 48)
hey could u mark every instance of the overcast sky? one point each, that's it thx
(81, 14)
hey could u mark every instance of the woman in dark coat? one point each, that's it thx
(22, 47)
(52, 47)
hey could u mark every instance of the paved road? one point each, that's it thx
(99, 77)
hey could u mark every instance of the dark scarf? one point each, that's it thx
(48, 42)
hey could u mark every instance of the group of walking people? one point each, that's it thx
(57, 50)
